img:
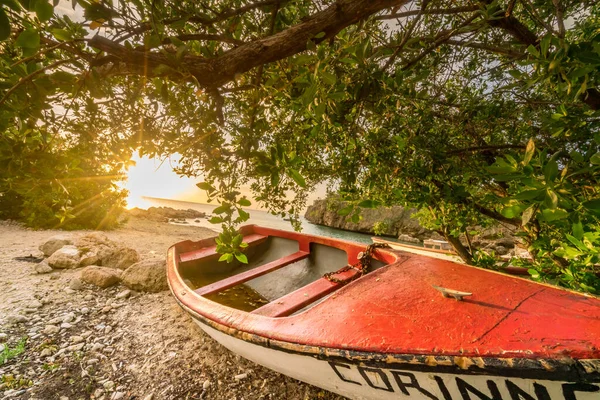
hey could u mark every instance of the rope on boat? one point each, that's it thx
(362, 266)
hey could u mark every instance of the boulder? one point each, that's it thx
(54, 243)
(100, 276)
(42, 268)
(67, 257)
(146, 276)
(121, 258)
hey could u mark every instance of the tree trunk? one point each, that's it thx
(460, 249)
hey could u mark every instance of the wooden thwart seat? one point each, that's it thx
(212, 250)
(251, 274)
(297, 300)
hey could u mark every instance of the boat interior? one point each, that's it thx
(284, 274)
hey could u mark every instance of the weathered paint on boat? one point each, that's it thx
(390, 334)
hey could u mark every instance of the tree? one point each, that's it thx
(472, 111)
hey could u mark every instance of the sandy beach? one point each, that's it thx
(107, 345)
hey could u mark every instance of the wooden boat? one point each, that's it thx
(442, 254)
(412, 327)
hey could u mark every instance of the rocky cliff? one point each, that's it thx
(389, 221)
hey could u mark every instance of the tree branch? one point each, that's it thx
(433, 11)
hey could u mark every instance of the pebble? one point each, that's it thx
(76, 339)
(92, 361)
(98, 392)
(86, 334)
(84, 310)
(46, 353)
(16, 319)
(76, 284)
(68, 290)
(88, 297)
(51, 329)
(149, 397)
(42, 268)
(97, 347)
(3, 337)
(76, 347)
(124, 294)
(108, 329)
(106, 309)
(118, 395)
(69, 317)
(206, 384)
(2, 348)
(240, 377)
(66, 325)
(34, 304)
(109, 385)
(55, 321)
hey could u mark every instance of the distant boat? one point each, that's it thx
(412, 327)
(440, 253)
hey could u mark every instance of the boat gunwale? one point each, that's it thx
(193, 303)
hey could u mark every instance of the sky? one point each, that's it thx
(156, 178)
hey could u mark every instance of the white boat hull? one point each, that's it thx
(360, 382)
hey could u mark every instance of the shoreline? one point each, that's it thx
(106, 345)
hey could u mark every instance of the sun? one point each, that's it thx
(151, 177)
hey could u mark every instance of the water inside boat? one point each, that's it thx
(285, 269)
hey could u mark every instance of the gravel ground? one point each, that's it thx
(61, 339)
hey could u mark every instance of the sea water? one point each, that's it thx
(259, 217)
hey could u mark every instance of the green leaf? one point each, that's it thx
(241, 257)
(578, 230)
(237, 240)
(61, 34)
(297, 177)
(346, 210)
(225, 257)
(244, 216)
(368, 204)
(215, 220)
(511, 211)
(303, 59)
(44, 10)
(595, 159)
(551, 200)
(244, 202)
(553, 215)
(221, 209)
(533, 51)
(534, 273)
(551, 170)
(328, 78)
(528, 195)
(29, 39)
(320, 35)
(205, 186)
(355, 218)
(527, 215)
(529, 150)
(4, 25)
(588, 57)
(13, 4)
(593, 205)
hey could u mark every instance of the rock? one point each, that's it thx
(117, 395)
(66, 325)
(163, 214)
(109, 385)
(88, 297)
(51, 329)
(121, 258)
(76, 347)
(124, 294)
(84, 310)
(2, 347)
(100, 276)
(76, 339)
(206, 384)
(89, 258)
(388, 221)
(146, 276)
(46, 352)
(42, 268)
(149, 397)
(76, 284)
(68, 317)
(34, 304)
(16, 319)
(68, 290)
(3, 337)
(67, 257)
(92, 361)
(98, 392)
(97, 347)
(240, 377)
(408, 239)
(54, 243)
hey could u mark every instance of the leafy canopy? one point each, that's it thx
(475, 112)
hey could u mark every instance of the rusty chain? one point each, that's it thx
(362, 266)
